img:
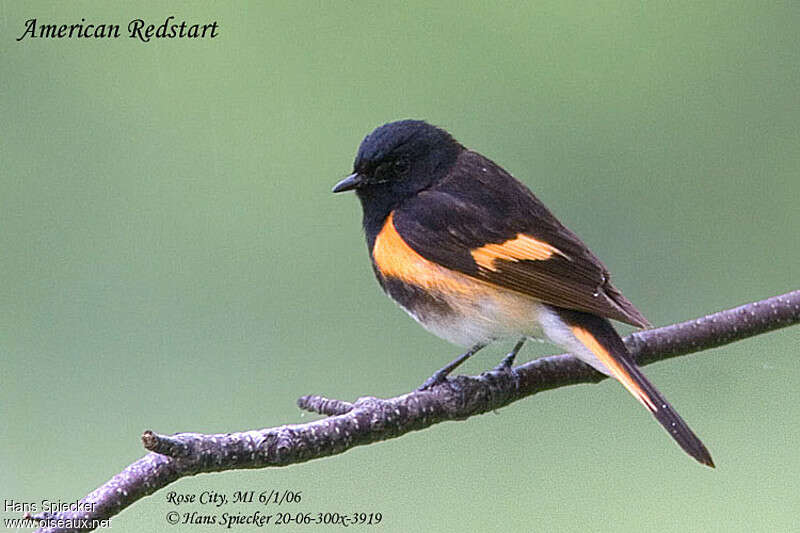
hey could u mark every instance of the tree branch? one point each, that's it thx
(370, 420)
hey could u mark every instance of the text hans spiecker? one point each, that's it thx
(47, 506)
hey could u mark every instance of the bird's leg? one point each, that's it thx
(508, 360)
(441, 374)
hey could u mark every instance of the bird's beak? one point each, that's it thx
(348, 184)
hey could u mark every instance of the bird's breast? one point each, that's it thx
(449, 304)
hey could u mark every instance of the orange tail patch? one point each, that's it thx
(616, 369)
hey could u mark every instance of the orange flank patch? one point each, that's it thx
(520, 248)
(616, 369)
(395, 258)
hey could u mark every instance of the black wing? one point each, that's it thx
(481, 221)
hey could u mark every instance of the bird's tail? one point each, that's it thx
(601, 339)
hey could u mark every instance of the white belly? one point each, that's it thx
(483, 317)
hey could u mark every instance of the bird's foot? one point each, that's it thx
(437, 378)
(440, 376)
(506, 364)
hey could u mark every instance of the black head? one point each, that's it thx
(398, 160)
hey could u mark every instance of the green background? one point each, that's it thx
(172, 257)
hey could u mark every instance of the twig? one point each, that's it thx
(371, 419)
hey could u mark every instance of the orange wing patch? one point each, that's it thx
(613, 366)
(520, 248)
(395, 258)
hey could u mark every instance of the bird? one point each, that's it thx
(475, 257)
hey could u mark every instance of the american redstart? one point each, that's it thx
(472, 255)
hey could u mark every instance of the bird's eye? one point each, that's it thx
(401, 166)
